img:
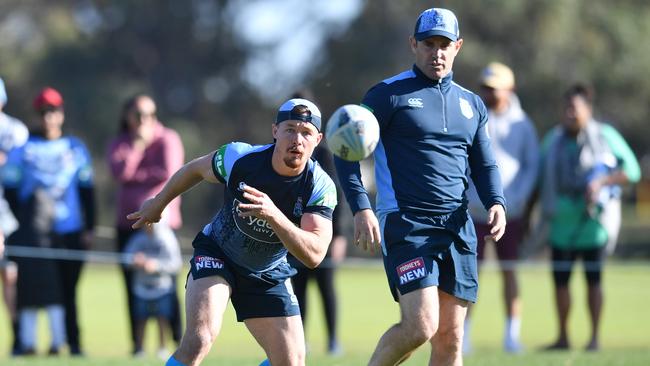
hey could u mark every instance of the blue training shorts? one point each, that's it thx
(159, 307)
(422, 251)
(254, 294)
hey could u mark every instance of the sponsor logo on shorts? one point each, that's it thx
(411, 270)
(203, 261)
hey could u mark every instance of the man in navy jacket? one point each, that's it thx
(433, 138)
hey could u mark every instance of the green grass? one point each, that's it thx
(367, 310)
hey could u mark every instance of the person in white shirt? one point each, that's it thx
(516, 149)
(13, 133)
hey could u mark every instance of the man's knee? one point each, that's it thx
(299, 356)
(420, 318)
(295, 358)
(205, 337)
(290, 351)
(448, 339)
(197, 343)
(421, 330)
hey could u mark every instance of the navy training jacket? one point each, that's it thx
(433, 133)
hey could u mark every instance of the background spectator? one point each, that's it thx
(141, 158)
(39, 280)
(515, 146)
(13, 133)
(584, 164)
(60, 165)
(156, 259)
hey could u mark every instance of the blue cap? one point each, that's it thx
(3, 92)
(436, 22)
(284, 112)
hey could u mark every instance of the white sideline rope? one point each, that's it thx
(110, 257)
(106, 257)
(68, 254)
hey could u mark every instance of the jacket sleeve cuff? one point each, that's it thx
(359, 202)
(498, 201)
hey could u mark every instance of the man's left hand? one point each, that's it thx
(497, 222)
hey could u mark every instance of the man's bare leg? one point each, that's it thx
(419, 322)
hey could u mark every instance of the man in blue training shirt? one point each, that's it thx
(433, 137)
(276, 200)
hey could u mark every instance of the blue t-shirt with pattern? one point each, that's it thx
(59, 167)
(250, 241)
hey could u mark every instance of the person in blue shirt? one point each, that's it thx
(60, 166)
(433, 138)
(277, 200)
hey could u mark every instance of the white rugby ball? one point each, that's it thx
(352, 132)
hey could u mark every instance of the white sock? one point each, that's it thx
(56, 315)
(28, 322)
(513, 328)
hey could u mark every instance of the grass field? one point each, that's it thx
(367, 310)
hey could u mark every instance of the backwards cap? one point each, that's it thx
(437, 22)
(285, 114)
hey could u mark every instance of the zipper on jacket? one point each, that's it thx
(444, 109)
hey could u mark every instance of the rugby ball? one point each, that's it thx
(352, 132)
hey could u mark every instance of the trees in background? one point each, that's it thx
(193, 58)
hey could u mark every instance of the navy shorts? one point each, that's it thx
(254, 294)
(159, 307)
(423, 251)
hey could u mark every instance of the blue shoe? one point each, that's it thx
(265, 363)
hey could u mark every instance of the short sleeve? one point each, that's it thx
(84, 162)
(323, 197)
(623, 153)
(225, 157)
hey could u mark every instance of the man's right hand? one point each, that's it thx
(366, 230)
(148, 214)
